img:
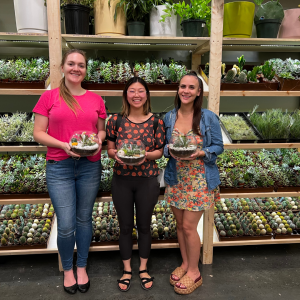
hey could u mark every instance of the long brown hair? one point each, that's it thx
(64, 92)
(125, 105)
(197, 104)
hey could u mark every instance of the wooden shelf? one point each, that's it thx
(28, 40)
(260, 93)
(35, 149)
(261, 45)
(136, 43)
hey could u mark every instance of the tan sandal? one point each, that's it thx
(189, 285)
(179, 272)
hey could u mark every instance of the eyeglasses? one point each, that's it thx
(133, 92)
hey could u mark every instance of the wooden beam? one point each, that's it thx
(196, 62)
(54, 36)
(216, 39)
(203, 48)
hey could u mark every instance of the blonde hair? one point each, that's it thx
(125, 105)
(64, 92)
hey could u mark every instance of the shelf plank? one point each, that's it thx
(37, 92)
(134, 43)
(260, 93)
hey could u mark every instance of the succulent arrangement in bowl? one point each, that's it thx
(182, 146)
(84, 143)
(131, 152)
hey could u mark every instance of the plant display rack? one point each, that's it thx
(56, 42)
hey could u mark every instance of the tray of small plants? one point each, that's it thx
(284, 224)
(276, 125)
(182, 145)
(24, 233)
(282, 204)
(239, 129)
(237, 205)
(163, 224)
(25, 133)
(84, 143)
(37, 211)
(131, 152)
(239, 226)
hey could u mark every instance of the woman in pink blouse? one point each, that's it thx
(72, 181)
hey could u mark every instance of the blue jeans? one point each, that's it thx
(73, 186)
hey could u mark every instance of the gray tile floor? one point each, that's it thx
(252, 272)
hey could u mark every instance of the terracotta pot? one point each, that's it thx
(104, 18)
(290, 26)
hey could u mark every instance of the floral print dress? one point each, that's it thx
(191, 192)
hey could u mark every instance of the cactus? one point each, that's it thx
(223, 67)
(242, 78)
(238, 70)
(230, 76)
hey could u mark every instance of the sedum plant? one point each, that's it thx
(295, 128)
(9, 125)
(288, 69)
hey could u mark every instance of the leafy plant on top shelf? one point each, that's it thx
(272, 124)
(88, 3)
(270, 10)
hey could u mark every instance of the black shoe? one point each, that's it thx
(83, 288)
(146, 280)
(71, 289)
(125, 281)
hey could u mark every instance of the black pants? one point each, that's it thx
(143, 192)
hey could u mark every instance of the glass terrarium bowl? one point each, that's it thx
(183, 146)
(84, 143)
(131, 152)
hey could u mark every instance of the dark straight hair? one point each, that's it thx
(125, 105)
(197, 103)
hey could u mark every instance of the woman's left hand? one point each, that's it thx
(142, 160)
(198, 153)
(99, 148)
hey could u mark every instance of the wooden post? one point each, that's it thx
(54, 38)
(216, 39)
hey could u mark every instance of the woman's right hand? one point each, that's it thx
(117, 158)
(66, 147)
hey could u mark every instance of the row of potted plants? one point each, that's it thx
(270, 19)
(268, 169)
(273, 125)
(110, 16)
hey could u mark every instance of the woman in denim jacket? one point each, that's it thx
(192, 183)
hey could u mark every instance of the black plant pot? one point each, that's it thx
(193, 28)
(267, 28)
(136, 28)
(76, 19)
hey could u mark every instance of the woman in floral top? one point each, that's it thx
(192, 183)
(135, 185)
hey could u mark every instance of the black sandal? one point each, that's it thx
(125, 281)
(146, 280)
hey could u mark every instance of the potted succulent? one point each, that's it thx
(109, 19)
(131, 152)
(77, 14)
(238, 19)
(31, 16)
(193, 16)
(84, 143)
(290, 26)
(159, 27)
(135, 12)
(268, 18)
(183, 146)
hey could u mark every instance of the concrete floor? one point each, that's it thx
(253, 272)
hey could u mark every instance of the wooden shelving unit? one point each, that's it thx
(55, 42)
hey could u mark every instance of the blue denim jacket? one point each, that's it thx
(212, 145)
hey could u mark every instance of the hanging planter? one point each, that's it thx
(290, 26)
(163, 28)
(268, 18)
(31, 16)
(238, 19)
(109, 19)
(76, 18)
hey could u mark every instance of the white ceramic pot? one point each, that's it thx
(167, 28)
(31, 16)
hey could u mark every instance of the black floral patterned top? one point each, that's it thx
(137, 131)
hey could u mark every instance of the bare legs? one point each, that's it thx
(189, 240)
(127, 267)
